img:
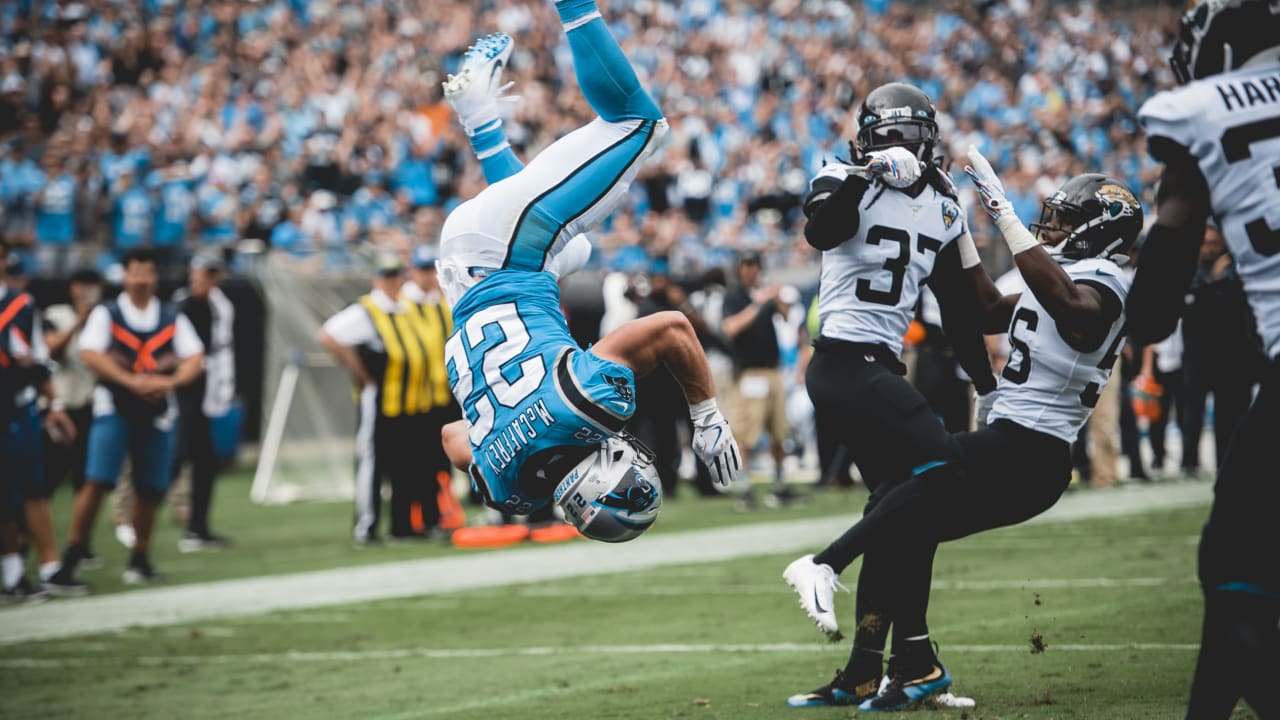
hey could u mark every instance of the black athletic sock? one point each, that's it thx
(72, 556)
(913, 657)
(863, 665)
(912, 582)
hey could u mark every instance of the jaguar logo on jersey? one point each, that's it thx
(950, 213)
(1117, 201)
(620, 386)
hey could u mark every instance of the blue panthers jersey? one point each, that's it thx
(55, 213)
(534, 402)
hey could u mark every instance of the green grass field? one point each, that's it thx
(1115, 601)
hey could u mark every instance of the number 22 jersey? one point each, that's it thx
(1230, 125)
(527, 391)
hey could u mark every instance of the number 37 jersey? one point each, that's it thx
(1230, 125)
(1048, 385)
(871, 282)
(527, 390)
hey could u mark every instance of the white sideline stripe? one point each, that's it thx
(297, 656)
(683, 590)
(337, 586)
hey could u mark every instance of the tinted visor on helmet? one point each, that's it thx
(900, 133)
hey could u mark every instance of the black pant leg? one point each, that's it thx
(888, 426)
(1239, 656)
(397, 452)
(204, 468)
(1231, 399)
(1129, 443)
(1240, 523)
(434, 462)
(1191, 420)
(912, 581)
(1156, 429)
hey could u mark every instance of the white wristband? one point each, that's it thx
(57, 405)
(968, 251)
(700, 412)
(1016, 235)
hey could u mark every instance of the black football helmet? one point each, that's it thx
(1099, 214)
(897, 114)
(1220, 35)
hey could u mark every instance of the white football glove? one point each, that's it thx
(715, 446)
(896, 166)
(990, 189)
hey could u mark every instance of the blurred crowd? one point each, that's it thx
(316, 127)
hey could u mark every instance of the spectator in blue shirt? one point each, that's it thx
(130, 214)
(175, 208)
(288, 237)
(412, 178)
(219, 209)
(119, 158)
(56, 205)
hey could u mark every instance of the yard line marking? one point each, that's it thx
(425, 653)
(772, 589)
(345, 585)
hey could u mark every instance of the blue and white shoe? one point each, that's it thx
(474, 93)
(840, 691)
(902, 692)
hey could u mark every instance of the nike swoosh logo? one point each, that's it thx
(620, 405)
(937, 673)
(1103, 274)
(817, 603)
(497, 68)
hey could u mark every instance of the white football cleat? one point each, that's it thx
(816, 585)
(474, 92)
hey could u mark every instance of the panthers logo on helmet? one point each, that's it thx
(1117, 201)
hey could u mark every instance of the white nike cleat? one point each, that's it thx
(816, 585)
(475, 91)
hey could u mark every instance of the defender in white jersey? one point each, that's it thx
(1064, 330)
(883, 237)
(1218, 137)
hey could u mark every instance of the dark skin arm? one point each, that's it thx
(962, 317)
(835, 219)
(1077, 308)
(1171, 252)
(995, 307)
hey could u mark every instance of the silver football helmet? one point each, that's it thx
(613, 495)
